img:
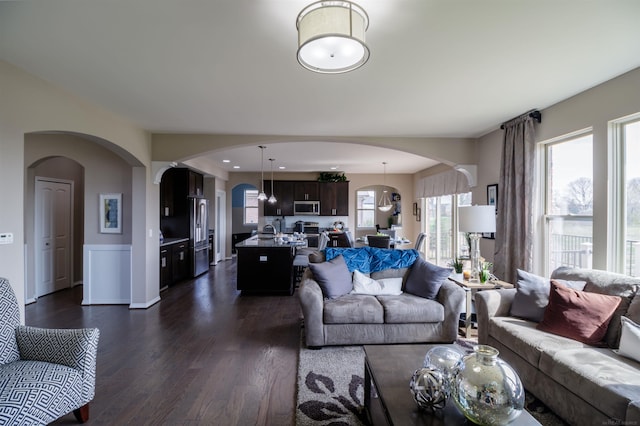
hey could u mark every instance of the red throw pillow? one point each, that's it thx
(578, 315)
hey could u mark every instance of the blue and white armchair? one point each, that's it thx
(44, 373)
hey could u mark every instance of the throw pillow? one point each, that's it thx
(578, 315)
(425, 279)
(532, 295)
(366, 285)
(333, 277)
(629, 339)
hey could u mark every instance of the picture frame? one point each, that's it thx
(418, 214)
(415, 209)
(492, 195)
(492, 200)
(110, 213)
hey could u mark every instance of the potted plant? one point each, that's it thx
(457, 266)
(485, 272)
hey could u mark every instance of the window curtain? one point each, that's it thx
(445, 183)
(514, 221)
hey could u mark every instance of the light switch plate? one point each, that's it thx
(6, 238)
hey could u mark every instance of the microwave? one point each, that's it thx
(306, 207)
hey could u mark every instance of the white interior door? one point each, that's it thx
(221, 225)
(53, 206)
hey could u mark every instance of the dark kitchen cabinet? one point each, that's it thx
(306, 191)
(166, 195)
(265, 269)
(196, 184)
(334, 199)
(179, 261)
(176, 186)
(166, 277)
(283, 191)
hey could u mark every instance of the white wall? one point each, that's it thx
(28, 105)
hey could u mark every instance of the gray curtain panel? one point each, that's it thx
(514, 223)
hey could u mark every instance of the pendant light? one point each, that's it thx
(262, 196)
(384, 205)
(272, 199)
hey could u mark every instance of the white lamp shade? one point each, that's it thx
(477, 219)
(331, 36)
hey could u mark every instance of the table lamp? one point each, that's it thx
(476, 220)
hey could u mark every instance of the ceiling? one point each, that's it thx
(438, 68)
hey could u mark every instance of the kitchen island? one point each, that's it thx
(265, 266)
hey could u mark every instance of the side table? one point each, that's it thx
(470, 288)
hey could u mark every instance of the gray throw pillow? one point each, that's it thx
(425, 279)
(532, 295)
(333, 277)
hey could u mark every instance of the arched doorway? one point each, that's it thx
(60, 158)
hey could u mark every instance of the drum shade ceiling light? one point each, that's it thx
(331, 37)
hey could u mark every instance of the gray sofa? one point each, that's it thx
(355, 319)
(585, 385)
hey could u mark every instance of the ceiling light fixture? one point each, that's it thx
(384, 205)
(273, 198)
(331, 37)
(262, 196)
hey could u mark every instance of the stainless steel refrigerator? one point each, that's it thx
(198, 235)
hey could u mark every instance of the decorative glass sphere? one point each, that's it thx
(443, 358)
(486, 389)
(429, 388)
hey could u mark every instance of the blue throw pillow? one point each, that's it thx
(425, 279)
(333, 277)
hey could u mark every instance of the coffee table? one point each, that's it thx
(387, 398)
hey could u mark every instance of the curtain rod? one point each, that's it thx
(534, 113)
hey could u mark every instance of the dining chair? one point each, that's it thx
(339, 239)
(420, 240)
(379, 241)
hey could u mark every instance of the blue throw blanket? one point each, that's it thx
(371, 259)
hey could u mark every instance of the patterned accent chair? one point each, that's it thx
(44, 373)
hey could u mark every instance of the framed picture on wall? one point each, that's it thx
(110, 213)
(415, 209)
(492, 195)
(418, 214)
(492, 200)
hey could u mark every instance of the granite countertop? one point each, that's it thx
(169, 241)
(267, 241)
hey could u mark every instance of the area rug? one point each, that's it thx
(331, 388)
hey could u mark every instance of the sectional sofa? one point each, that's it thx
(404, 299)
(585, 384)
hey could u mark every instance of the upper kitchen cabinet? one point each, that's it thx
(334, 199)
(176, 186)
(196, 184)
(283, 191)
(306, 191)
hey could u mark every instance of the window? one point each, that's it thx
(630, 133)
(440, 222)
(366, 209)
(250, 206)
(568, 203)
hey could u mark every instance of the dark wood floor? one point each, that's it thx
(204, 355)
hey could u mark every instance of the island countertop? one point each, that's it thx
(258, 241)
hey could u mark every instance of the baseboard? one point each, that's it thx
(144, 305)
